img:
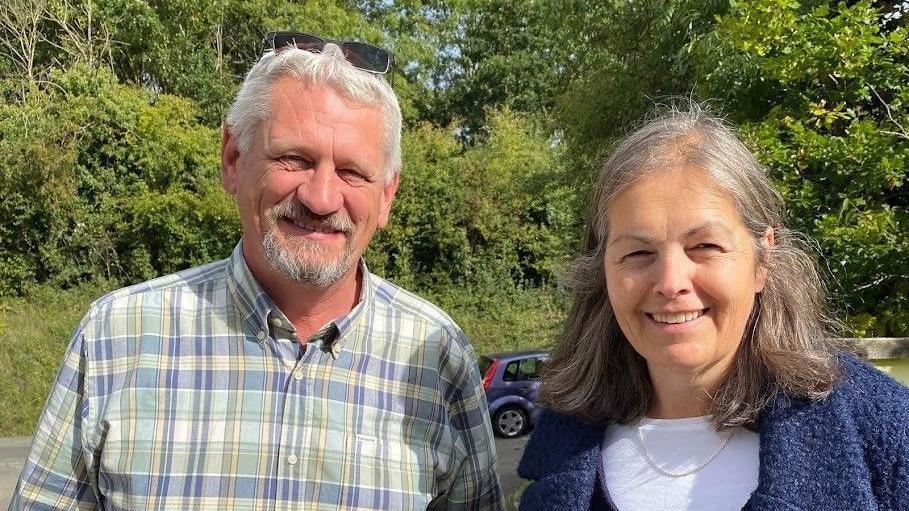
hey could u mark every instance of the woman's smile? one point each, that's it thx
(677, 322)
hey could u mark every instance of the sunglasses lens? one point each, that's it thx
(284, 40)
(367, 56)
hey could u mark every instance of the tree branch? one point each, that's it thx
(902, 131)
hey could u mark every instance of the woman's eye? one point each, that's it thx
(706, 246)
(637, 253)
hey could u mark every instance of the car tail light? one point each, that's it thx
(487, 378)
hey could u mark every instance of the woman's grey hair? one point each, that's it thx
(328, 68)
(788, 346)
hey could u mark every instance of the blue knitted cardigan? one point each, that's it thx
(847, 452)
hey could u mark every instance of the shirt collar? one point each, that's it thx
(261, 313)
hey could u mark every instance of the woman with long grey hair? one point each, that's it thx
(698, 368)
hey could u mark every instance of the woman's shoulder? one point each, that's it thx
(558, 443)
(870, 394)
(561, 458)
(865, 406)
(876, 405)
(862, 396)
(858, 433)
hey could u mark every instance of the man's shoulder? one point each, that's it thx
(159, 292)
(423, 326)
(409, 305)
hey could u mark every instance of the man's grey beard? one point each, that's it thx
(304, 261)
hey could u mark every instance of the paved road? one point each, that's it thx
(12, 455)
(509, 451)
(13, 451)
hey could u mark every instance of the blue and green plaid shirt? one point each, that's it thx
(190, 392)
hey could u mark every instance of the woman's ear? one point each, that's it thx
(767, 243)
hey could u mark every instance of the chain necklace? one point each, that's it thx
(688, 472)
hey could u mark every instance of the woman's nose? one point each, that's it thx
(673, 276)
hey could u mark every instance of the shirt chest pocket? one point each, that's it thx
(374, 471)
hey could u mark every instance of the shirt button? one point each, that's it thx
(292, 459)
(298, 375)
(261, 335)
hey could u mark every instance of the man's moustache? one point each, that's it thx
(298, 212)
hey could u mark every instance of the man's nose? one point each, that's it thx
(321, 192)
(673, 274)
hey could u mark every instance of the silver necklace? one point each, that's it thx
(688, 472)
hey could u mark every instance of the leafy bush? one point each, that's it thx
(88, 168)
(494, 215)
(167, 232)
(504, 319)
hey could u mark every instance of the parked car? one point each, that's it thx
(511, 381)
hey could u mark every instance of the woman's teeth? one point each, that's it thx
(681, 317)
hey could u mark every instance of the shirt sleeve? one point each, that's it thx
(476, 483)
(56, 474)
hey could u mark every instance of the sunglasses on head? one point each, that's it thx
(361, 55)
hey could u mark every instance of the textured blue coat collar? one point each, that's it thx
(848, 452)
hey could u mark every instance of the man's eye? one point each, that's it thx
(706, 246)
(351, 174)
(295, 161)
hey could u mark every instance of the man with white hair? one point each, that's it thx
(286, 376)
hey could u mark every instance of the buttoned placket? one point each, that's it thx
(299, 374)
(291, 375)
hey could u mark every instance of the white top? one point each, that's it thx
(679, 446)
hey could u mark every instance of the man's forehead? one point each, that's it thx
(291, 91)
(309, 119)
(296, 108)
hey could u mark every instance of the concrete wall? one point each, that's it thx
(889, 354)
(898, 368)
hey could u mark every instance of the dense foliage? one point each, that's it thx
(103, 180)
(110, 113)
(822, 94)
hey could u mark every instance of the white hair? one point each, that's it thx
(329, 68)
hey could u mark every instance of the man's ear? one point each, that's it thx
(388, 196)
(230, 153)
(768, 242)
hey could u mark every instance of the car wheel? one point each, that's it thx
(509, 422)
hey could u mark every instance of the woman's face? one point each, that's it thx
(681, 272)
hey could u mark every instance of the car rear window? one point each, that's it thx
(484, 362)
(511, 371)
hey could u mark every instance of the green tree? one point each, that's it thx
(201, 49)
(584, 71)
(821, 92)
(517, 54)
(638, 54)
